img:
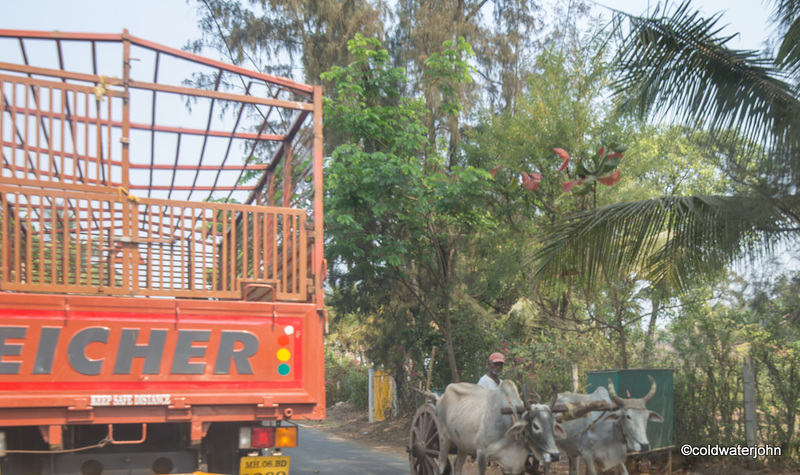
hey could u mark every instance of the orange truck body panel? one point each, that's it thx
(71, 359)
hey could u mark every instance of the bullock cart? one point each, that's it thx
(423, 445)
(423, 441)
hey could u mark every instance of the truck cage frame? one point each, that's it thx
(134, 169)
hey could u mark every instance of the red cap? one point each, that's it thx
(497, 358)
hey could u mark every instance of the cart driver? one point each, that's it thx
(491, 380)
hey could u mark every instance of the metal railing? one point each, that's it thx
(105, 243)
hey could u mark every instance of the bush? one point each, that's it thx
(346, 378)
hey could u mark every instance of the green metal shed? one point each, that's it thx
(635, 383)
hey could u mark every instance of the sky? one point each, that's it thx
(174, 22)
(748, 18)
(169, 22)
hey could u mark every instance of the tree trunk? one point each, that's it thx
(448, 339)
(649, 342)
(623, 345)
(620, 325)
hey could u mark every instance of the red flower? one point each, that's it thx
(610, 179)
(531, 181)
(493, 171)
(564, 156)
(569, 184)
(601, 151)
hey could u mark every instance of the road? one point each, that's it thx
(319, 453)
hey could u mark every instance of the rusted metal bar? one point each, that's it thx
(319, 255)
(189, 188)
(273, 163)
(287, 174)
(286, 83)
(162, 128)
(208, 128)
(236, 168)
(234, 258)
(29, 252)
(89, 187)
(51, 163)
(57, 73)
(226, 96)
(110, 160)
(261, 128)
(95, 37)
(153, 117)
(128, 279)
(215, 260)
(52, 35)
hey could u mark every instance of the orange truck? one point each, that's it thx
(161, 259)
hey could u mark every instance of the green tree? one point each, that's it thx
(679, 65)
(399, 214)
(708, 342)
(277, 36)
(775, 346)
(562, 108)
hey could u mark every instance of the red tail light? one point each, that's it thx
(263, 437)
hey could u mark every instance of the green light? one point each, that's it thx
(283, 369)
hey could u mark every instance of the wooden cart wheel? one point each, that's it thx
(423, 452)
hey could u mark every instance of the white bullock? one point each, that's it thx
(471, 419)
(604, 439)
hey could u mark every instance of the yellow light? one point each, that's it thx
(284, 354)
(285, 436)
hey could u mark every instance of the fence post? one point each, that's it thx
(750, 416)
(575, 384)
(395, 399)
(371, 394)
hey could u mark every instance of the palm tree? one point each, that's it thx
(678, 66)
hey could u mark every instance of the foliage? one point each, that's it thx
(345, 377)
(273, 36)
(672, 238)
(775, 347)
(707, 341)
(553, 351)
(427, 249)
(397, 211)
(679, 63)
(560, 110)
(672, 160)
(563, 109)
(708, 374)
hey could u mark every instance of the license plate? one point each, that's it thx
(273, 465)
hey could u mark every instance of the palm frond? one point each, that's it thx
(789, 52)
(667, 240)
(785, 12)
(680, 64)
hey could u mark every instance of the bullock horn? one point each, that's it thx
(613, 393)
(532, 397)
(652, 392)
(513, 410)
(553, 399)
